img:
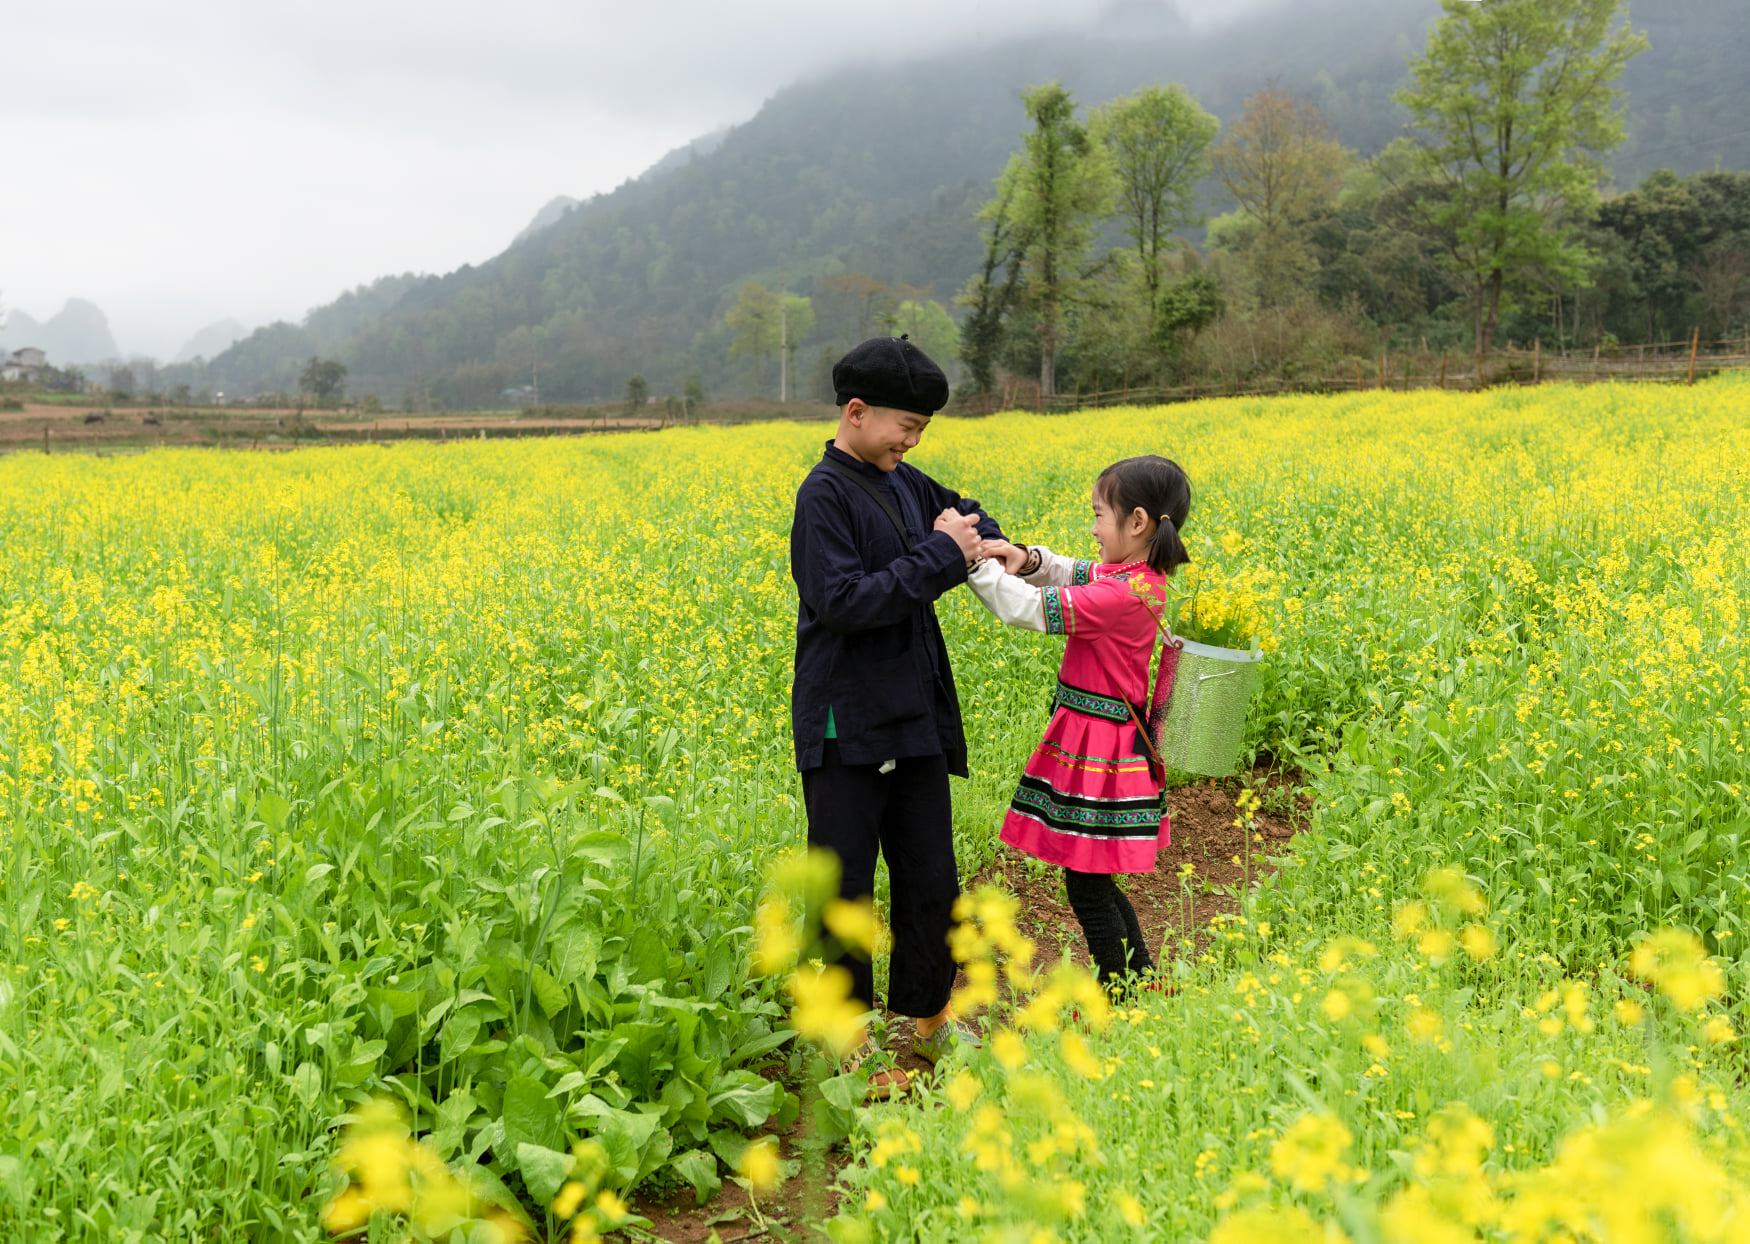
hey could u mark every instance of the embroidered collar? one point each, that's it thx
(1123, 571)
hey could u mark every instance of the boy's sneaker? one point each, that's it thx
(940, 1043)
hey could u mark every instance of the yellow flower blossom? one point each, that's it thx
(1675, 962)
(758, 1164)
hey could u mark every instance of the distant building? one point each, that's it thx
(23, 364)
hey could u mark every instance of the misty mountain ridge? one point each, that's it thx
(76, 335)
(886, 180)
(680, 157)
(547, 217)
(556, 208)
(1140, 19)
(212, 340)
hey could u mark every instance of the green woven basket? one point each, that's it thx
(1206, 713)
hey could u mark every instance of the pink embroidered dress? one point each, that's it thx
(1088, 799)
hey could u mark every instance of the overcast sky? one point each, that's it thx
(188, 160)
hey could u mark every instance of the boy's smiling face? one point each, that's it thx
(878, 435)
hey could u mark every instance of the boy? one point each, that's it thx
(876, 719)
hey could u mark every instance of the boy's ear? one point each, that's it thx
(855, 409)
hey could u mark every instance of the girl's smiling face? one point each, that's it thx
(1122, 537)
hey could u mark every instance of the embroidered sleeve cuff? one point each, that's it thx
(1055, 570)
(1060, 612)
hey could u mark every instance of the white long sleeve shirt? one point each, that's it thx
(1016, 601)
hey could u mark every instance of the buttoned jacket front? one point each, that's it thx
(868, 645)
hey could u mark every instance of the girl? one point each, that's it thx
(1090, 796)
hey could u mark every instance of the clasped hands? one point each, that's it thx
(963, 530)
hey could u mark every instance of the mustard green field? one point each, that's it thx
(451, 775)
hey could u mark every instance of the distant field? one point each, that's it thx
(74, 426)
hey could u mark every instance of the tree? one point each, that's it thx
(637, 394)
(929, 326)
(1159, 139)
(324, 380)
(754, 319)
(1721, 273)
(795, 323)
(852, 305)
(1186, 308)
(1059, 187)
(990, 300)
(1515, 107)
(1280, 164)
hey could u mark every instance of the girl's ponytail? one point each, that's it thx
(1156, 486)
(1166, 552)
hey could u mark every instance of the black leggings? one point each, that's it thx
(1109, 923)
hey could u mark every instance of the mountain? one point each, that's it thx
(885, 179)
(547, 217)
(680, 157)
(77, 334)
(556, 207)
(212, 340)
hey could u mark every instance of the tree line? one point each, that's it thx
(1484, 222)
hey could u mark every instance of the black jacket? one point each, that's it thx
(867, 642)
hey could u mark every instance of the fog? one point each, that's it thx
(189, 161)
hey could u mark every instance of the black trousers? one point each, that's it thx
(855, 811)
(1109, 922)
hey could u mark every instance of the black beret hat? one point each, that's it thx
(891, 371)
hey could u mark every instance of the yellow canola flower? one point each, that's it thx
(389, 1171)
(1453, 889)
(1478, 941)
(776, 943)
(822, 1008)
(1273, 1225)
(1425, 1025)
(1310, 1153)
(1575, 1002)
(569, 1199)
(1641, 1176)
(1130, 1210)
(1677, 964)
(758, 1164)
(1415, 1216)
(1078, 1058)
(611, 1207)
(963, 1090)
(1457, 1141)
(1336, 956)
(854, 924)
(1436, 944)
(1009, 1049)
(811, 875)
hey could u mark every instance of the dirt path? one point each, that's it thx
(1204, 836)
